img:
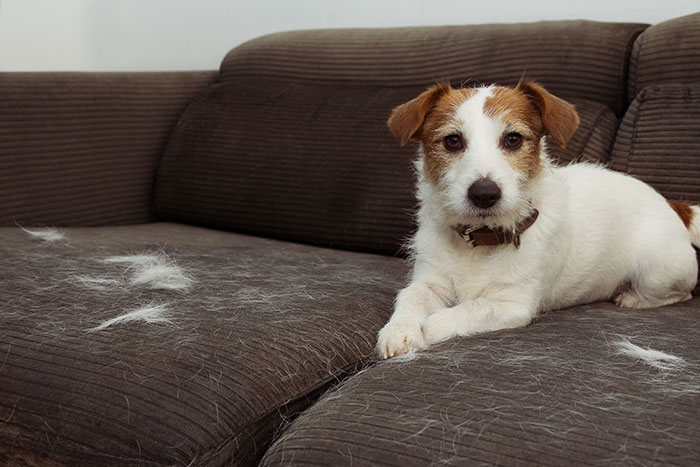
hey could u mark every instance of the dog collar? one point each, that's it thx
(486, 236)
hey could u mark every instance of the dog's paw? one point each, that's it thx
(398, 338)
(439, 327)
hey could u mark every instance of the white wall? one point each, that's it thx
(106, 35)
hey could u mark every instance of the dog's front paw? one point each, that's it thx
(397, 338)
(439, 327)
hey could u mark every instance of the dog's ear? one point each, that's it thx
(407, 119)
(559, 118)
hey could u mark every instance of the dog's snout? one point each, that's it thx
(484, 193)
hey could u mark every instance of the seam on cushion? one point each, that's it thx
(633, 81)
(312, 394)
(633, 137)
(635, 130)
(625, 79)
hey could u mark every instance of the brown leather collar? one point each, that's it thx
(486, 236)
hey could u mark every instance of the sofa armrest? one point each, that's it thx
(83, 148)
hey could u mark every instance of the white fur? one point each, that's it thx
(97, 283)
(600, 235)
(155, 271)
(153, 313)
(45, 234)
(656, 358)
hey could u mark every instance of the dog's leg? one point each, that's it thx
(404, 332)
(476, 316)
(663, 278)
(634, 299)
(650, 292)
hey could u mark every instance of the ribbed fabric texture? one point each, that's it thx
(666, 53)
(292, 143)
(571, 58)
(311, 163)
(304, 162)
(658, 140)
(262, 329)
(561, 391)
(594, 138)
(82, 148)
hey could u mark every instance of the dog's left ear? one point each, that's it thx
(559, 118)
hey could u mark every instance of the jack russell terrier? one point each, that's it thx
(503, 233)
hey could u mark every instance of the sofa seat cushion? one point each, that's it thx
(164, 344)
(593, 385)
(658, 140)
(313, 163)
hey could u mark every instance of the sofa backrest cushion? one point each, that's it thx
(292, 142)
(299, 162)
(658, 140)
(667, 52)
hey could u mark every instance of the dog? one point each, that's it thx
(504, 233)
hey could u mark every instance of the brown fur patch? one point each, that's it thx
(522, 116)
(441, 122)
(684, 211)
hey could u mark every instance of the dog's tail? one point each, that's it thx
(690, 215)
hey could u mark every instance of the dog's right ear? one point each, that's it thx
(407, 119)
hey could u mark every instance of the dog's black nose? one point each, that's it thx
(484, 193)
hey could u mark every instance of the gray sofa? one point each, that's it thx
(195, 265)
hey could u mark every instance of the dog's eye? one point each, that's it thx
(513, 141)
(453, 142)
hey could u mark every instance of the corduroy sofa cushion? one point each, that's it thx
(209, 372)
(292, 142)
(666, 53)
(593, 385)
(658, 140)
(83, 148)
(307, 163)
(311, 163)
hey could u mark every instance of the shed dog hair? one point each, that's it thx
(503, 233)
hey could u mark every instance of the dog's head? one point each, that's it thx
(481, 147)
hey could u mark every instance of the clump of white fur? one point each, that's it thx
(155, 271)
(97, 283)
(45, 234)
(652, 357)
(151, 314)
